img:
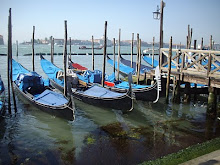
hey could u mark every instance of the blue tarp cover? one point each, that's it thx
(91, 76)
(97, 91)
(51, 71)
(125, 85)
(31, 79)
(123, 68)
(17, 69)
(49, 97)
(156, 62)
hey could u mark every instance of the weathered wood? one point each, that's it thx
(52, 49)
(33, 68)
(16, 47)
(93, 58)
(169, 71)
(70, 48)
(139, 61)
(119, 41)
(64, 58)
(162, 5)
(187, 95)
(137, 57)
(176, 91)
(211, 42)
(104, 54)
(153, 52)
(9, 60)
(212, 101)
(114, 55)
(132, 49)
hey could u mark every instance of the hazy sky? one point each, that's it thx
(86, 18)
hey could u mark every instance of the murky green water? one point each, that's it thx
(98, 135)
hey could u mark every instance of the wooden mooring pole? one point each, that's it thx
(139, 61)
(132, 49)
(93, 58)
(169, 71)
(64, 58)
(104, 54)
(212, 98)
(17, 48)
(52, 49)
(119, 41)
(114, 56)
(70, 48)
(153, 52)
(137, 56)
(212, 101)
(33, 49)
(176, 87)
(9, 60)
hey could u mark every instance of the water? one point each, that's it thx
(98, 135)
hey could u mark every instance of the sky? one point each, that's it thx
(87, 17)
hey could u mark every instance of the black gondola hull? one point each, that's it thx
(123, 103)
(60, 111)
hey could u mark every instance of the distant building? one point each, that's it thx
(1, 40)
(58, 41)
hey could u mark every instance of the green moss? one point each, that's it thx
(187, 154)
(115, 129)
(90, 140)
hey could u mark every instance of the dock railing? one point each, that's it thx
(196, 63)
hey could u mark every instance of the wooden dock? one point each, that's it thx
(193, 66)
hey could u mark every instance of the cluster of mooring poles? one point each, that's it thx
(192, 57)
(176, 78)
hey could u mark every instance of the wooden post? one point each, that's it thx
(195, 86)
(162, 5)
(153, 53)
(211, 42)
(169, 71)
(176, 88)
(132, 49)
(119, 40)
(33, 49)
(17, 48)
(64, 58)
(52, 49)
(70, 49)
(201, 44)
(10, 63)
(114, 56)
(9, 60)
(137, 53)
(186, 98)
(104, 54)
(93, 58)
(212, 101)
(139, 61)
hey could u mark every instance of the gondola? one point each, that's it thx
(141, 92)
(34, 90)
(89, 93)
(2, 95)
